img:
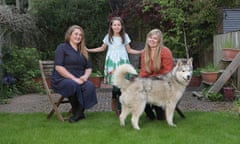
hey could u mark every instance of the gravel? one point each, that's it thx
(39, 103)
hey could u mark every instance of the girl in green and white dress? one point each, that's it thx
(117, 41)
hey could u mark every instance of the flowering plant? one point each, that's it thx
(8, 80)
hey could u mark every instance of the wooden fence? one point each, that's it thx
(218, 41)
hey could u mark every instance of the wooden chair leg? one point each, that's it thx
(55, 109)
(50, 113)
(59, 115)
(69, 112)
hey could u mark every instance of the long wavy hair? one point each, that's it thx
(157, 54)
(81, 45)
(110, 30)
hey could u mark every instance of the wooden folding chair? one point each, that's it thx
(56, 99)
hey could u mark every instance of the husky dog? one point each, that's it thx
(165, 91)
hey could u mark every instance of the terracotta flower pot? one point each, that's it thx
(195, 81)
(96, 81)
(228, 93)
(209, 77)
(229, 53)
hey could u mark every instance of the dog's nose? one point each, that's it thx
(188, 77)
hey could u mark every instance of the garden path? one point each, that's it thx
(39, 103)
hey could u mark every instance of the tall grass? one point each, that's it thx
(104, 128)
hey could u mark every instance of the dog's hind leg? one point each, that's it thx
(169, 114)
(124, 114)
(137, 112)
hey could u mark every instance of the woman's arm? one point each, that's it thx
(132, 51)
(87, 73)
(143, 72)
(63, 72)
(166, 61)
(99, 49)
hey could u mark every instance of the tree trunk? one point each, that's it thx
(18, 4)
(2, 2)
(1, 43)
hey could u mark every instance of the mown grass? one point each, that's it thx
(104, 128)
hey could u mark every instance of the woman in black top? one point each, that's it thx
(71, 72)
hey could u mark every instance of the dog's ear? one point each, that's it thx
(189, 61)
(179, 62)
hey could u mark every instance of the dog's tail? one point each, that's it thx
(119, 75)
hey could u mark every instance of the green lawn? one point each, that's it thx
(104, 128)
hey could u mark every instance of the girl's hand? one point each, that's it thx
(87, 49)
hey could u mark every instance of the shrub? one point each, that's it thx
(90, 14)
(212, 96)
(22, 65)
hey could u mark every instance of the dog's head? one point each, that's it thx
(183, 71)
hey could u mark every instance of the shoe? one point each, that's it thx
(75, 118)
(78, 116)
(77, 110)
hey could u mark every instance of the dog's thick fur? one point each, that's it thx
(164, 91)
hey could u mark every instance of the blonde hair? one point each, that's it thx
(157, 55)
(81, 45)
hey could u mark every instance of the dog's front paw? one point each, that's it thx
(173, 125)
(170, 123)
(122, 123)
(137, 128)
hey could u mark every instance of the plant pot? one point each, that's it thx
(229, 53)
(209, 77)
(195, 81)
(96, 81)
(228, 93)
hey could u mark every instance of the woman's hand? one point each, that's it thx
(79, 80)
(84, 78)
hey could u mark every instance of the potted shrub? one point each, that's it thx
(96, 78)
(209, 74)
(196, 78)
(228, 50)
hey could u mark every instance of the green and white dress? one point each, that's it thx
(116, 55)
